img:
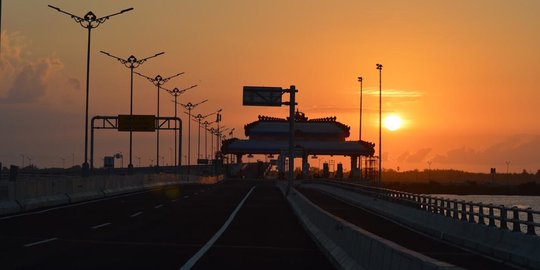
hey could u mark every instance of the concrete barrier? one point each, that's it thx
(518, 248)
(351, 247)
(28, 194)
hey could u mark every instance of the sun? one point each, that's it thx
(393, 122)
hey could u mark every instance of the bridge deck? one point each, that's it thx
(401, 235)
(162, 229)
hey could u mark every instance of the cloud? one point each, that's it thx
(394, 93)
(25, 80)
(523, 150)
(417, 157)
(75, 83)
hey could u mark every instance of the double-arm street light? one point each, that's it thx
(190, 106)
(175, 93)
(199, 118)
(158, 81)
(206, 124)
(88, 21)
(360, 127)
(131, 62)
(379, 67)
(212, 132)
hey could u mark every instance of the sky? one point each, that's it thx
(462, 75)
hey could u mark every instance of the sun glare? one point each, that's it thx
(392, 122)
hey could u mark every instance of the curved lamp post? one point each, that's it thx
(131, 62)
(379, 67)
(175, 93)
(158, 81)
(190, 106)
(88, 21)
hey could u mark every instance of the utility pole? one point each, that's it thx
(131, 62)
(89, 21)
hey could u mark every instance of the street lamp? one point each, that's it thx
(205, 124)
(360, 127)
(175, 93)
(131, 62)
(379, 67)
(89, 21)
(158, 81)
(199, 117)
(190, 106)
(212, 132)
(218, 120)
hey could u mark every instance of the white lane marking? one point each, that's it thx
(173, 200)
(187, 196)
(193, 260)
(41, 242)
(77, 204)
(158, 206)
(101, 225)
(135, 214)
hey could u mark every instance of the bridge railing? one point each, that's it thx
(520, 220)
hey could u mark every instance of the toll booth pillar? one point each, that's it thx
(305, 167)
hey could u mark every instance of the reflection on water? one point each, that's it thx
(506, 200)
(523, 202)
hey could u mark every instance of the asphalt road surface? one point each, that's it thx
(401, 235)
(164, 229)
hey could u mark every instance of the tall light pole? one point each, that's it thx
(212, 132)
(88, 21)
(0, 31)
(205, 124)
(360, 128)
(190, 106)
(218, 120)
(379, 67)
(199, 117)
(175, 93)
(131, 62)
(158, 81)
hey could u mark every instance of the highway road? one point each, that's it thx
(403, 236)
(232, 224)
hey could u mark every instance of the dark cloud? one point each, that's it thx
(518, 150)
(417, 157)
(403, 156)
(30, 82)
(75, 83)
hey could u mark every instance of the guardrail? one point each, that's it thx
(497, 216)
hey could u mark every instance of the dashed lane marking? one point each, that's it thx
(158, 206)
(135, 214)
(101, 225)
(41, 242)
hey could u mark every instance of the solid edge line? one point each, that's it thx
(41, 242)
(76, 204)
(193, 260)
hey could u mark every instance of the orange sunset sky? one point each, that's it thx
(463, 75)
